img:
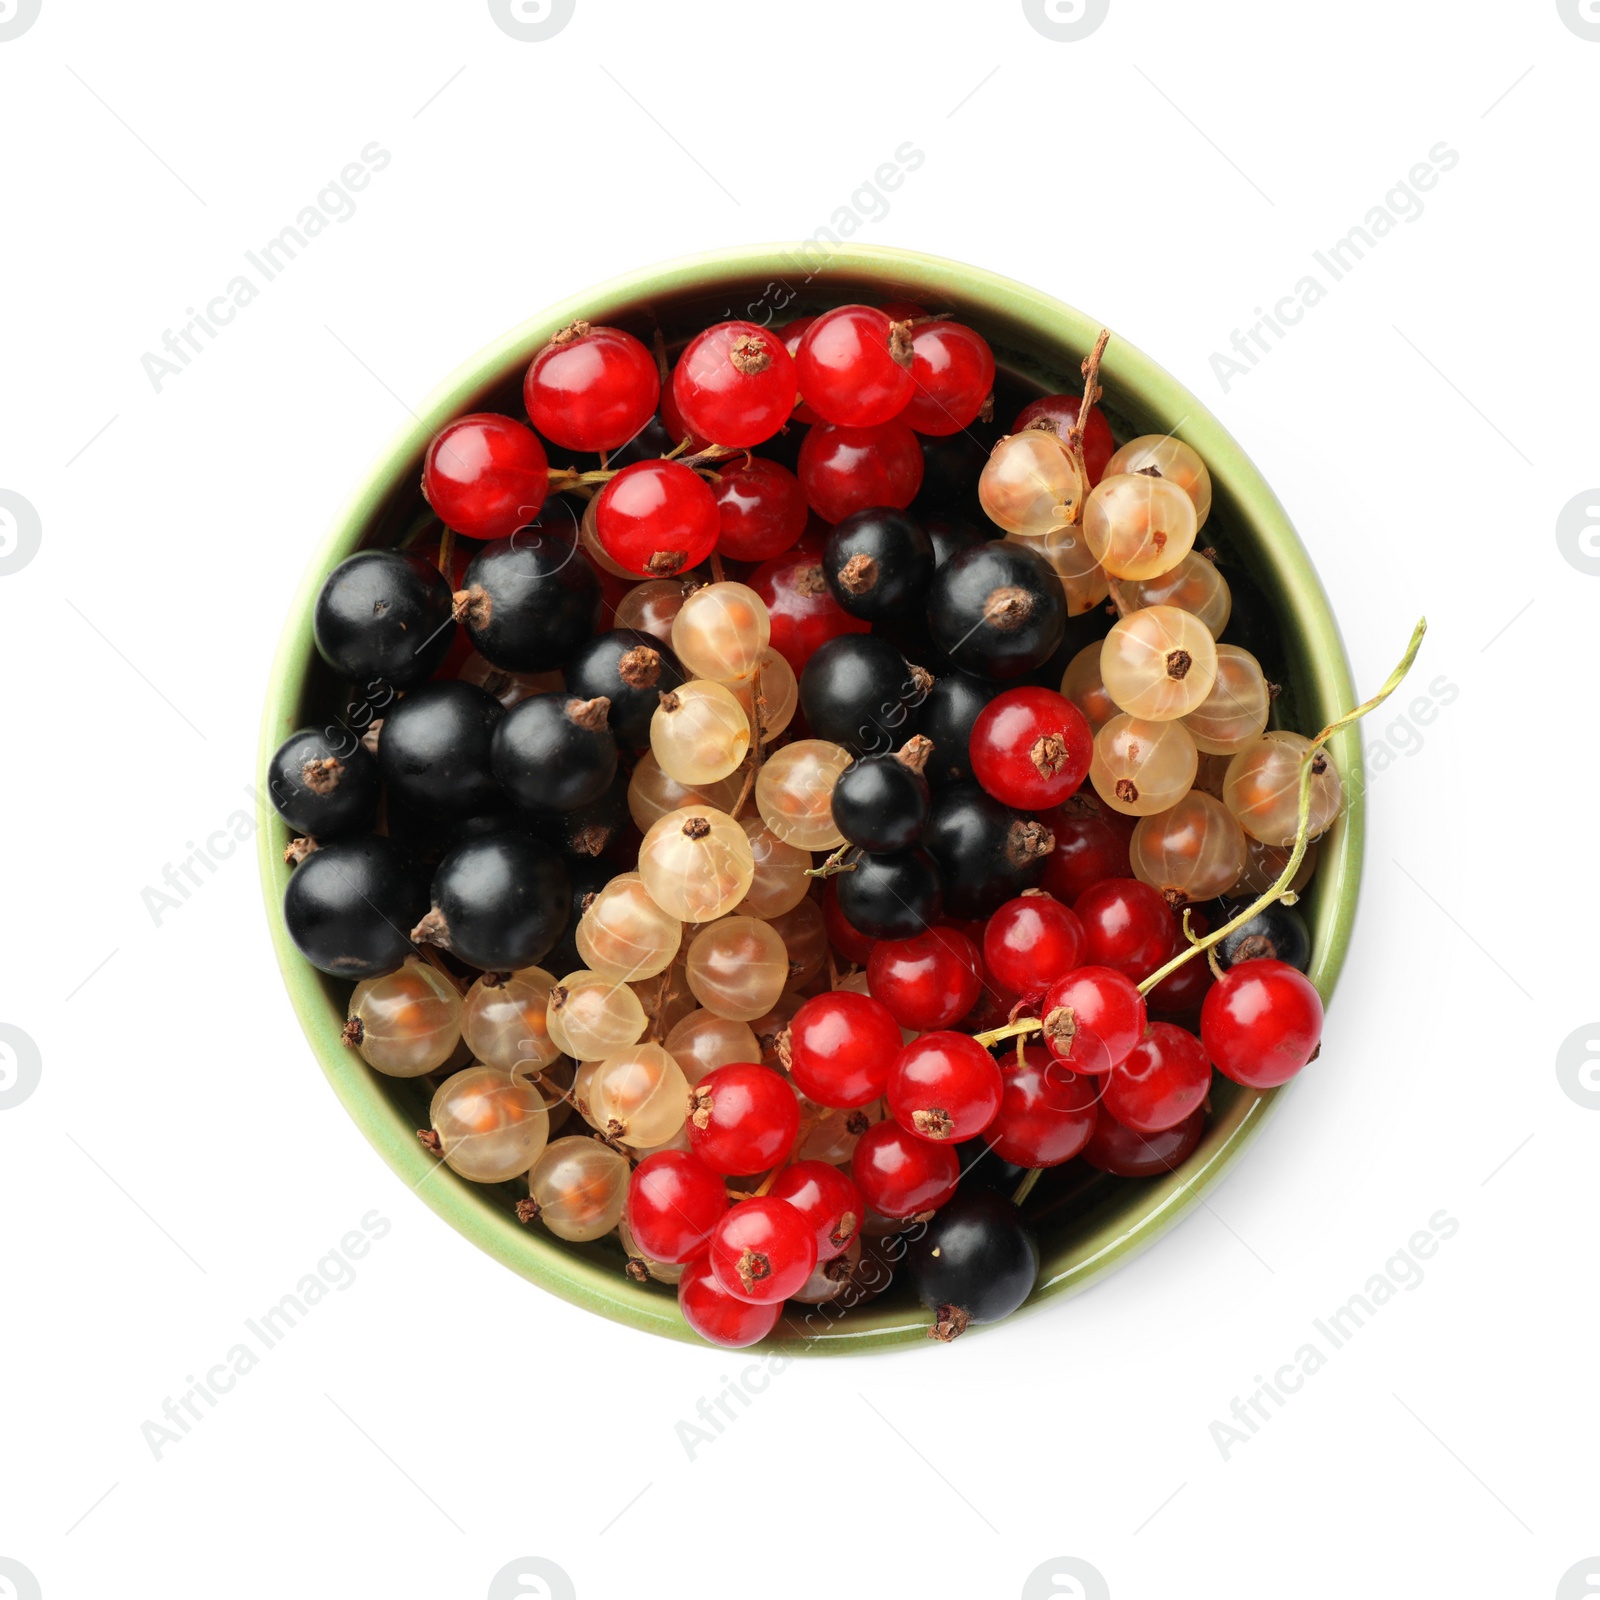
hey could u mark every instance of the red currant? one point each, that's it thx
(841, 1046)
(844, 470)
(843, 935)
(930, 980)
(743, 1119)
(791, 334)
(899, 1174)
(854, 367)
(1046, 1115)
(735, 384)
(657, 518)
(591, 388)
(1031, 941)
(674, 1201)
(953, 371)
(801, 610)
(1261, 1023)
(1061, 411)
(716, 1315)
(1092, 1018)
(1131, 1154)
(762, 510)
(1031, 748)
(672, 420)
(1090, 846)
(763, 1250)
(827, 1199)
(1126, 925)
(1160, 1081)
(944, 1087)
(1180, 993)
(485, 476)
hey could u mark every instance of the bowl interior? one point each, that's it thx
(1087, 1222)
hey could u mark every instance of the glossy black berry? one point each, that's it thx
(595, 828)
(951, 466)
(997, 609)
(324, 788)
(350, 906)
(987, 853)
(891, 896)
(948, 714)
(878, 563)
(529, 601)
(974, 1262)
(433, 751)
(383, 615)
(950, 535)
(499, 901)
(553, 752)
(632, 670)
(860, 692)
(1277, 934)
(881, 802)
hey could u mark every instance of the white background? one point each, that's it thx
(182, 1163)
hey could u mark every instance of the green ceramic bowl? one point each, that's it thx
(1087, 1224)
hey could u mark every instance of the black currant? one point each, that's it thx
(891, 896)
(997, 609)
(433, 750)
(981, 1168)
(383, 614)
(632, 669)
(555, 753)
(987, 853)
(878, 563)
(1277, 934)
(860, 692)
(950, 535)
(881, 802)
(593, 829)
(951, 465)
(324, 788)
(529, 601)
(350, 905)
(974, 1262)
(499, 901)
(947, 717)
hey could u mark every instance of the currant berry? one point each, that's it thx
(485, 476)
(743, 1119)
(997, 610)
(779, 878)
(1046, 1116)
(987, 853)
(1142, 767)
(895, 895)
(805, 938)
(656, 519)
(974, 1262)
(649, 607)
(699, 733)
(722, 631)
(528, 602)
(1194, 585)
(952, 369)
(406, 1022)
(638, 1095)
(1277, 933)
(844, 470)
(1031, 941)
(791, 333)
(1092, 1018)
(828, 1201)
(763, 1250)
(696, 863)
(1060, 413)
(719, 1317)
(854, 366)
(761, 509)
(348, 904)
(629, 668)
(1090, 845)
(735, 384)
(1031, 484)
(1127, 926)
(1234, 715)
(881, 802)
(624, 935)
(879, 564)
(322, 788)
(1264, 864)
(503, 1021)
(491, 1127)
(703, 1041)
(1158, 663)
(1262, 788)
(946, 721)
(1194, 851)
(929, 981)
(674, 1203)
(801, 610)
(1261, 1023)
(839, 1048)
(899, 1174)
(861, 693)
(652, 794)
(1082, 684)
(1129, 1154)
(383, 614)
(945, 1087)
(1137, 526)
(1160, 1082)
(578, 1189)
(591, 1016)
(1160, 455)
(794, 793)
(1031, 748)
(737, 968)
(591, 388)
(1084, 583)
(843, 935)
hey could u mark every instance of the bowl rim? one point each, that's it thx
(471, 1209)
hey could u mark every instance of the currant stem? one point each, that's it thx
(1091, 393)
(1025, 1188)
(834, 863)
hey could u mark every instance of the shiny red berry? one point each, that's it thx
(1061, 411)
(1030, 748)
(1047, 1114)
(716, 1315)
(735, 384)
(761, 510)
(841, 1046)
(945, 1087)
(591, 388)
(1131, 1154)
(791, 333)
(844, 470)
(1031, 941)
(485, 476)
(854, 367)
(899, 1174)
(827, 1199)
(1126, 925)
(763, 1250)
(674, 1201)
(672, 420)
(1181, 993)
(931, 980)
(743, 1119)
(657, 518)
(952, 368)
(1091, 846)
(1261, 1023)
(800, 607)
(1092, 1018)
(1160, 1081)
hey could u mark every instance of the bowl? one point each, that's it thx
(1088, 1224)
